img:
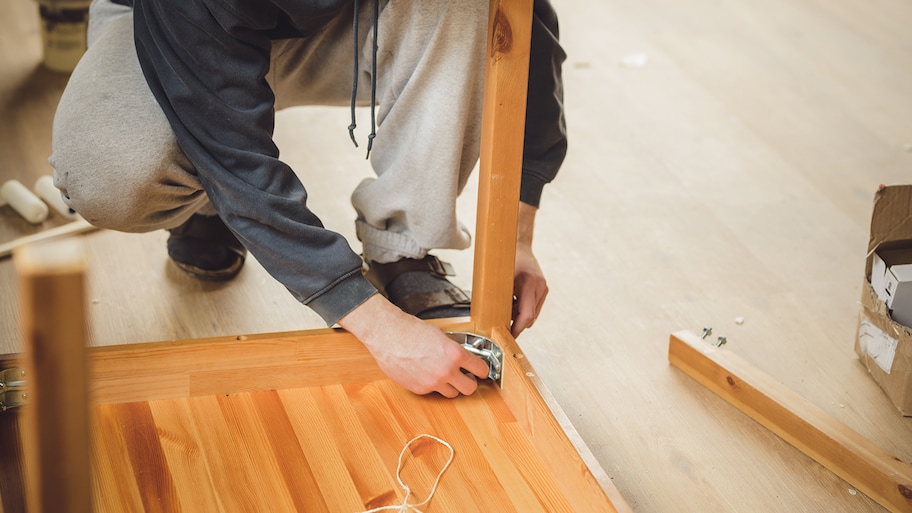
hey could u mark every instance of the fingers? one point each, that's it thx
(457, 384)
(448, 391)
(452, 380)
(463, 384)
(523, 314)
(460, 383)
(529, 287)
(413, 353)
(530, 300)
(474, 364)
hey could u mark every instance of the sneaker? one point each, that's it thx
(206, 249)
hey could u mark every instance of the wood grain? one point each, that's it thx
(327, 448)
(221, 365)
(552, 436)
(852, 457)
(52, 291)
(500, 164)
(12, 487)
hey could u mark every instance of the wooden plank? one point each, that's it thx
(154, 478)
(400, 416)
(51, 279)
(486, 426)
(226, 365)
(243, 470)
(374, 485)
(849, 455)
(298, 461)
(503, 118)
(115, 489)
(12, 497)
(180, 446)
(553, 437)
(330, 467)
(469, 484)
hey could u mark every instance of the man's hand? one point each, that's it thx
(413, 353)
(529, 285)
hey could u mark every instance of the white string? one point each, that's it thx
(405, 507)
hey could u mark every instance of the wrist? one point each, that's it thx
(362, 320)
(525, 224)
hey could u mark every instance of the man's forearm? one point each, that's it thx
(525, 225)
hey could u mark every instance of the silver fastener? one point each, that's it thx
(721, 341)
(707, 331)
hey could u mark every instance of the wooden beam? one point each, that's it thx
(503, 118)
(582, 480)
(232, 364)
(849, 455)
(51, 279)
(150, 371)
(12, 489)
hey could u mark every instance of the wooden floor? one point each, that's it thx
(730, 177)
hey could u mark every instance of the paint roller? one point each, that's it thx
(23, 201)
(45, 189)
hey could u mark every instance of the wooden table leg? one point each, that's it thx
(56, 448)
(504, 118)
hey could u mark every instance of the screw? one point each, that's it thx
(707, 331)
(721, 342)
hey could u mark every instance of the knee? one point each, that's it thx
(118, 197)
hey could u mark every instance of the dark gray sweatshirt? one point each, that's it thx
(206, 62)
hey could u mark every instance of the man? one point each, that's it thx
(167, 123)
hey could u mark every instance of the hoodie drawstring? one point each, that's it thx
(354, 95)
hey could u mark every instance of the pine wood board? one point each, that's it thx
(878, 474)
(501, 159)
(328, 448)
(321, 440)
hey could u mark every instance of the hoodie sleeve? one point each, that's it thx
(545, 144)
(206, 65)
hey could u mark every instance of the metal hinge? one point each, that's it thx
(485, 349)
(12, 388)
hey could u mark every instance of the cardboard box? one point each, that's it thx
(882, 344)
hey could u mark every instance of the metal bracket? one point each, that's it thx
(485, 349)
(12, 388)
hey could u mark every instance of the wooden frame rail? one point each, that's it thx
(846, 453)
(51, 282)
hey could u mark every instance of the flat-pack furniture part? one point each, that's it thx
(864, 465)
(306, 421)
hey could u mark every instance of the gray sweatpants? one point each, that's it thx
(117, 162)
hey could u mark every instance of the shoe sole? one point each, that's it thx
(212, 274)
